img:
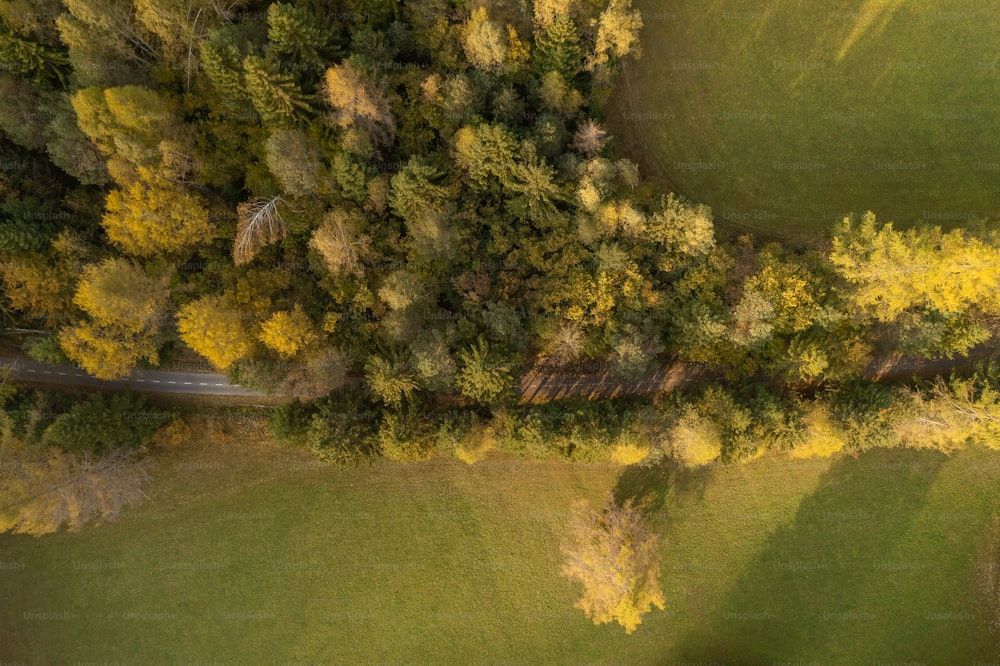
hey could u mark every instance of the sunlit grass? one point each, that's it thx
(784, 116)
(253, 555)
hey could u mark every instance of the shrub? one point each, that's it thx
(821, 436)
(289, 423)
(405, 438)
(172, 434)
(464, 435)
(100, 424)
(343, 429)
(696, 439)
(45, 348)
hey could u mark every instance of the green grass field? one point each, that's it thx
(784, 115)
(253, 556)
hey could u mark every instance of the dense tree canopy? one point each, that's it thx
(428, 183)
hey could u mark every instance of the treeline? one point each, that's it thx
(66, 460)
(421, 192)
(714, 424)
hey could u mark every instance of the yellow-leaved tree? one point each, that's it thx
(126, 306)
(485, 42)
(215, 327)
(38, 286)
(696, 439)
(43, 488)
(890, 272)
(152, 216)
(821, 436)
(357, 101)
(617, 33)
(615, 556)
(952, 415)
(130, 125)
(288, 332)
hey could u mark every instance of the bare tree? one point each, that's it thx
(589, 138)
(258, 223)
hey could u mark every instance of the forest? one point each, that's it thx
(423, 194)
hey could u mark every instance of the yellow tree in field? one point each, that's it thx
(42, 489)
(288, 332)
(151, 217)
(696, 439)
(214, 326)
(615, 556)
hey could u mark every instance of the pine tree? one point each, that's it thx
(28, 59)
(221, 63)
(391, 381)
(295, 34)
(276, 97)
(483, 376)
(557, 49)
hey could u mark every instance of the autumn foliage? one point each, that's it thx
(615, 556)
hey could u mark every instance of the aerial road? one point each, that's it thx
(149, 381)
(537, 384)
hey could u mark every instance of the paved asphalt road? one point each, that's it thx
(535, 384)
(150, 381)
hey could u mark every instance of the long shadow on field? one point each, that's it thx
(649, 487)
(808, 595)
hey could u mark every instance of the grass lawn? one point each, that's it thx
(252, 555)
(784, 115)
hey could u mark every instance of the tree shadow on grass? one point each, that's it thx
(834, 585)
(650, 487)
